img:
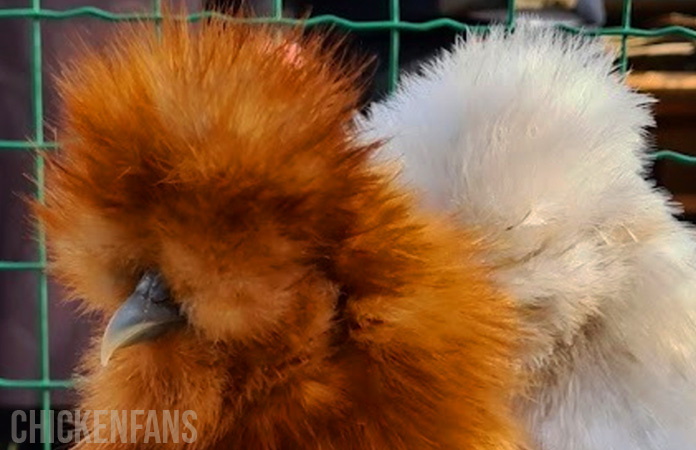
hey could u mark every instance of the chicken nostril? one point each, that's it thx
(156, 288)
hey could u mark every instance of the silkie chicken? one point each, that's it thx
(532, 138)
(211, 198)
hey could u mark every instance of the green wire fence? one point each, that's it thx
(394, 25)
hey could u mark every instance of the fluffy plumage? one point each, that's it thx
(534, 140)
(323, 311)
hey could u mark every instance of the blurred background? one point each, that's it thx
(663, 66)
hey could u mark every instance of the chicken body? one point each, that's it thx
(321, 310)
(532, 139)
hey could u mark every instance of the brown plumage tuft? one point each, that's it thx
(324, 312)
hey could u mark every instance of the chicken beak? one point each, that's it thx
(146, 314)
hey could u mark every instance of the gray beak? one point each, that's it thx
(147, 314)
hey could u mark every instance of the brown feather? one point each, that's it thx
(324, 311)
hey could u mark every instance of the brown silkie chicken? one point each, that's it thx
(256, 268)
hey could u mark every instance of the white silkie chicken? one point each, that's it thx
(533, 138)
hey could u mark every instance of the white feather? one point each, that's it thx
(533, 139)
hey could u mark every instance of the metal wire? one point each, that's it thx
(328, 19)
(37, 96)
(625, 24)
(394, 44)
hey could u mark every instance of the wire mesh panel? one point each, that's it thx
(394, 26)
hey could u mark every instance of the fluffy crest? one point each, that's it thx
(519, 128)
(160, 112)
